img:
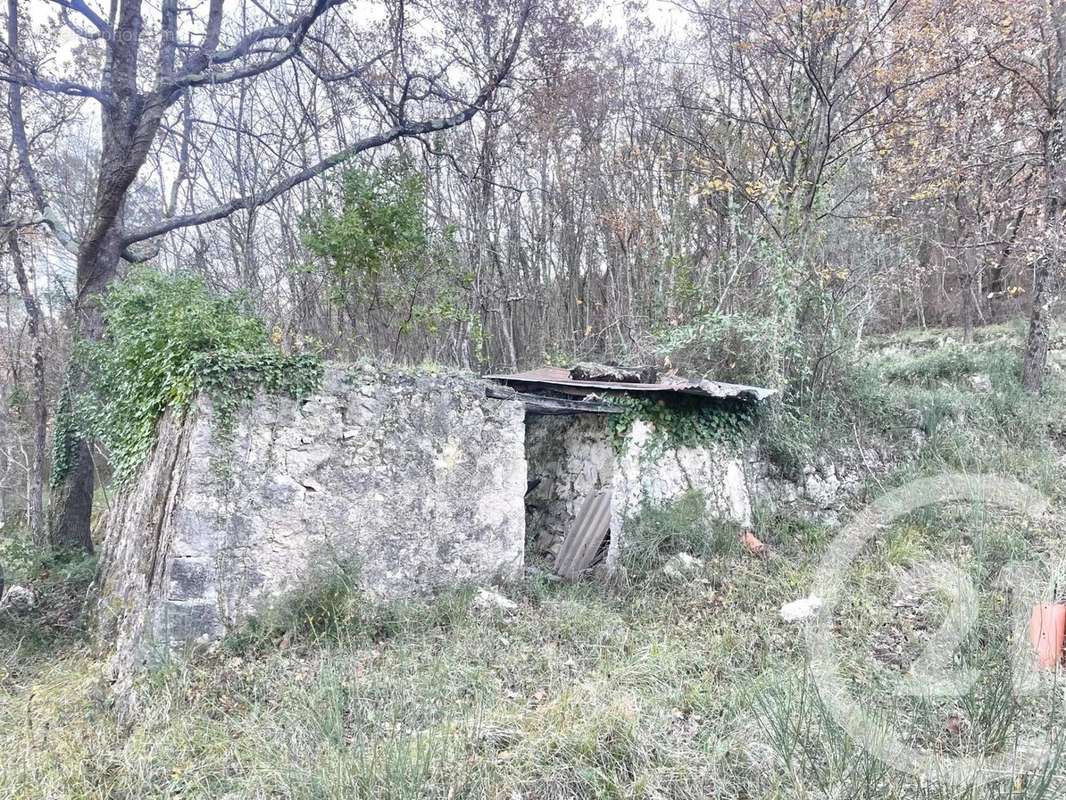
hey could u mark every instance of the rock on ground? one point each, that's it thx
(682, 565)
(799, 610)
(18, 600)
(486, 599)
(981, 382)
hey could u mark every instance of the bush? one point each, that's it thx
(952, 362)
(790, 530)
(324, 606)
(728, 347)
(943, 364)
(59, 580)
(379, 254)
(787, 437)
(167, 338)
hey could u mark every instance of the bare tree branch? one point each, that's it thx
(69, 88)
(81, 7)
(22, 147)
(198, 71)
(399, 131)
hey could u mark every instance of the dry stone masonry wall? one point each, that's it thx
(571, 457)
(409, 481)
(650, 472)
(412, 480)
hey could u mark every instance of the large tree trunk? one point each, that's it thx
(70, 523)
(129, 123)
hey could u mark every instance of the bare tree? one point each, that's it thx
(36, 481)
(137, 102)
(1049, 264)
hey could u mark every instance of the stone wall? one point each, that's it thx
(573, 456)
(412, 480)
(824, 489)
(651, 472)
(415, 481)
(570, 456)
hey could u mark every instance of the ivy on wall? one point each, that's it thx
(168, 338)
(65, 438)
(682, 421)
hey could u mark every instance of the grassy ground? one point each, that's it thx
(655, 687)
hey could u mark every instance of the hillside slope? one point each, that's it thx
(679, 682)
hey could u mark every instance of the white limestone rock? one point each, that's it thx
(683, 565)
(800, 610)
(18, 600)
(488, 600)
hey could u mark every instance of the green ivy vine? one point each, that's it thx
(230, 379)
(168, 339)
(682, 421)
(65, 437)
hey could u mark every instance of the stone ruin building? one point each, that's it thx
(416, 480)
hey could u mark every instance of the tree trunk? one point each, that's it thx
(1045, 282)
(1034, 359)
(966, 287)
(35, 483)
(70, 522)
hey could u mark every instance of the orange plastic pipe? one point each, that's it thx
(1047, 629)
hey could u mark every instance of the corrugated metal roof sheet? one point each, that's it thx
(560, 377)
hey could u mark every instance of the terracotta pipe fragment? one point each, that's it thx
(1047, 629)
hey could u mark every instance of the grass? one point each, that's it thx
(60, 582)
(647, 689)
(662, 530)
(683, 690)
(582, 692)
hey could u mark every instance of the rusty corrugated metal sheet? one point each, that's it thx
(585, 536)
(560, 377)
